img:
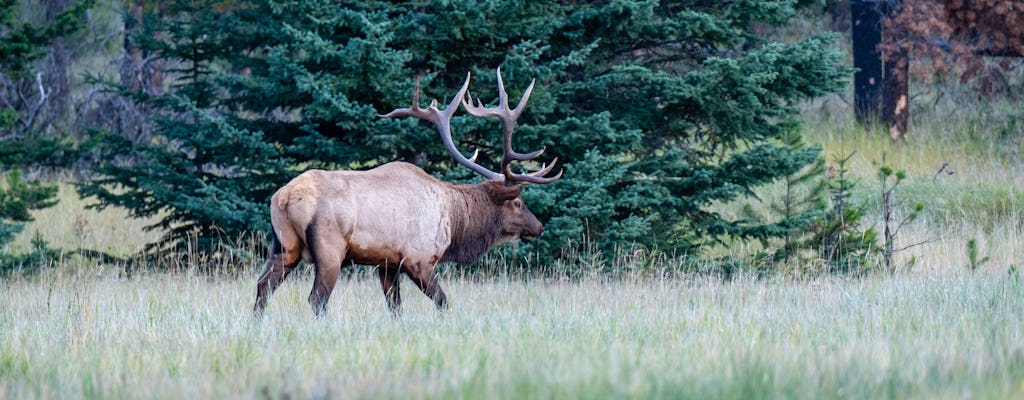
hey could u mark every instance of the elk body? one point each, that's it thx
(400, 218)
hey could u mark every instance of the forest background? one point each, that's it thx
(680, 125)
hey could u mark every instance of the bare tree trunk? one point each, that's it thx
(56, 119)
(139, 72)
(866, 33)
(895, 95)
(880, 88)
(889, 234)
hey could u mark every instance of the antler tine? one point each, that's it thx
(522, 101)
(545, 169)
(414, 111)
(508, 117)
(539, 180)
(442, 120)
(536, 176)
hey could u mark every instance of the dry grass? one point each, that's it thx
(183, 336)
(70, 226)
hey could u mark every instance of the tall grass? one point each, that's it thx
(179, 335)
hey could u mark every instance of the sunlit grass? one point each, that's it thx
(977, 195)
(979, 143)
(70, 226)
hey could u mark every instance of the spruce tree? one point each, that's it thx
(22, 142)
(794, 213)
(258, 96)
(657, 110)
(844, 245)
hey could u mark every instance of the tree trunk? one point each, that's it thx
(54, 78)
(880, 88)
(140, 72)
(895, 95)
(866, 33)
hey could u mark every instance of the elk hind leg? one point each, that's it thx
(284, 256)
(327, 260)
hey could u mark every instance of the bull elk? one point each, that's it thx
(398, 217)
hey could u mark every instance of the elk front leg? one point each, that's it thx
(389, 283)
(426, 279)
(281, 263)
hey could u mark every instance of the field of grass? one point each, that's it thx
(82, 329)
(176, 335)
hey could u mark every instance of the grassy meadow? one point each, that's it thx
(934, 329)
(178, 335)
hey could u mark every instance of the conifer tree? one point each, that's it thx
(844, 245)
(22, 145)
(657, 110)
(792, 215)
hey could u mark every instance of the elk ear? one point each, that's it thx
(500, 193)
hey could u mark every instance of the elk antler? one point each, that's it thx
(442, 120)
(508, 119)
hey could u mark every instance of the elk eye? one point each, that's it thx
(518, 204)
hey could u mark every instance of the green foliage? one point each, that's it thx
(973, 262)
(801, 206)
(40, 255)
(22, 145)
(40, 151)
(251, 103)
(656, 110)
(17, 198)
(7, 118)
(844, 246)
(890, 179)
(21, 44)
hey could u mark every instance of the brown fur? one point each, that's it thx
(479, 226)
(396, 217)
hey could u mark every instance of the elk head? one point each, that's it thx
(503, 188)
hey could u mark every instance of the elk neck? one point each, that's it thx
(476, 224)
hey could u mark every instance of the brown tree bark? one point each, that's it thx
(895, 95)
(881, 82)
(54, 78)
(866, 32)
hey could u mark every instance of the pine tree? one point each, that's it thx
(258, 95)
(800, 206)
(656, 110)
(844, 245)
(22, 145)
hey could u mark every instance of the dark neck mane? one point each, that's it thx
(475, 224)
